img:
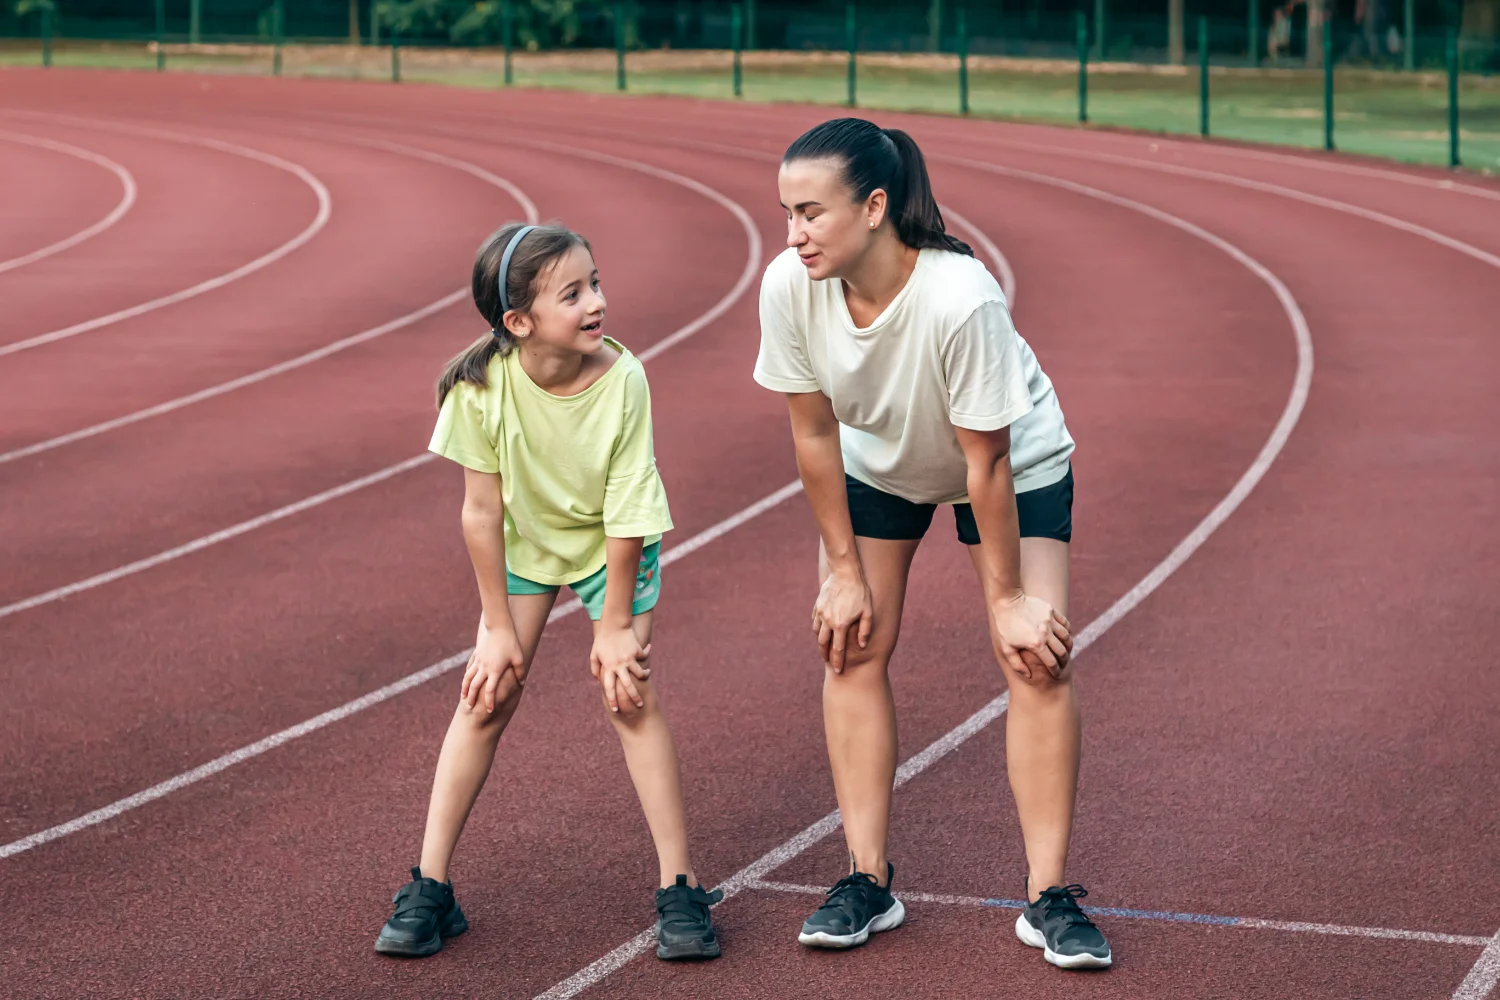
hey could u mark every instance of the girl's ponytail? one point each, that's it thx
(473, 365)
(919, 223)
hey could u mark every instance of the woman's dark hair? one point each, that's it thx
(538, 251)
(885, 158)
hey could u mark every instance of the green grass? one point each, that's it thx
(1393, 115)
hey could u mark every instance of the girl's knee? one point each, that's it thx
(507, 698)
(630, 714)
(1040, 683)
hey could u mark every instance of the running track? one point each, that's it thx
(1281, 371)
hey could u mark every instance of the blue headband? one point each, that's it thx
(505, 264)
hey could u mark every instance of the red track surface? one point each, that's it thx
(1297, 726)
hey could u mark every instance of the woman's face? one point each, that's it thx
(829, 229)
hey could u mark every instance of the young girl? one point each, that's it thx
(908, 387)
(551, 421)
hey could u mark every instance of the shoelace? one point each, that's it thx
(690, 902)
(858, 882)
(1060, 903)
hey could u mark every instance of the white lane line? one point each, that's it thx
(753, 262)
(1003, 270)
(1442, 239)
(1167, 916)
(747, 275)
(126, 202)
(753, 250)
(1210, 175)
(400, 322)
(359, 704)
(320, 219)
(1335, 167)
(1296, 400)
(775, 129)
(223, 535)
(1481, 980)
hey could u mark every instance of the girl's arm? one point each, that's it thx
(844, 600)
(618, 653)
(496, 648)
(1020, 623)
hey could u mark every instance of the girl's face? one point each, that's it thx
(829, 229)
(567, 313)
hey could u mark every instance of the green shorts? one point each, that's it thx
(590, 589)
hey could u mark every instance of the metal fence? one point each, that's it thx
(1422, 87)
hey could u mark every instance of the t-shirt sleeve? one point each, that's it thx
(987, 387)
(462, 434)
(782, 365)
(635, 501)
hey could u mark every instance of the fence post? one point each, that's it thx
(736, 32)
(46, 37)
(278, 14)
(1453, 68)
(195, 22)
(508, 26)
(620, 45)
(1083, 65)
(1203, 76)
(851, 29)
(161, 35)
(1252, 26)
(1409, 43)
(963, 59)
(1327, 85)
(395, 53)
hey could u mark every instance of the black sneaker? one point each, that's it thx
(1056, 924)
(426, 912)
(683, 928)
(857, 906)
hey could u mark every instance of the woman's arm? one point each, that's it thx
(1021, 624)
(844, 600)
(496, 648)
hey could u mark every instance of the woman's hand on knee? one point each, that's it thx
(844, 608)
(1031, 635)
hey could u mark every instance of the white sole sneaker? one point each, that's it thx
(887, 921)
(1029, 935)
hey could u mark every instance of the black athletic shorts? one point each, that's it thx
(1043, 513)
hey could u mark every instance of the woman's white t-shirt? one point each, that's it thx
(943, 354)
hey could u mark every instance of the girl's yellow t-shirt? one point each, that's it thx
(573, 469)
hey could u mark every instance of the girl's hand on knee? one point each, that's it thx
(497, 652)
(1030, 634)
(618, 660)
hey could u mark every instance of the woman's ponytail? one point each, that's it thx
(918, 220)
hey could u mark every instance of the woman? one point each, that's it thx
(908, 388)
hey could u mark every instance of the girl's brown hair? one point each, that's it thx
(538, 251)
